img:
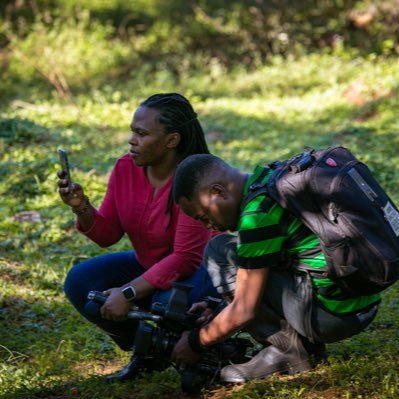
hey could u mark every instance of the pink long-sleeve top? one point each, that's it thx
(130, 206)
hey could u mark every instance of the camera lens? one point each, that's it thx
(143, 338)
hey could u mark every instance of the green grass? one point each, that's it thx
(46, 349)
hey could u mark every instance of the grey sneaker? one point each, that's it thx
(267, 362)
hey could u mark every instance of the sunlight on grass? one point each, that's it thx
(47, 350)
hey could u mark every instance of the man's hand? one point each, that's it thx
(116, 307)
(201, 308)
(182, 354)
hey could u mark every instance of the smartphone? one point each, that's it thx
(64, 163)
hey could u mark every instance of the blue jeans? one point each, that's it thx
(114, 270)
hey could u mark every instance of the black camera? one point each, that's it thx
(160, 329)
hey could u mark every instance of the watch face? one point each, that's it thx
(129, 293)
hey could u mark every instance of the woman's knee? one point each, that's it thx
(74, 285)
(84, 277)
(70, 280)
(101, 273)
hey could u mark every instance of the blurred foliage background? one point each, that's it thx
(266, 78)
(79, 45)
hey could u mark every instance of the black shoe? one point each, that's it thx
(136, 366)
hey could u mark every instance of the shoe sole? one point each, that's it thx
(289, 369)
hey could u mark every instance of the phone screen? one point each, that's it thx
(64, 163)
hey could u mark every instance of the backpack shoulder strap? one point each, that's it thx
(258, 187)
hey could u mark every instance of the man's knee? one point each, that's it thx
(221, 263)
(213, 248)
(222, 250)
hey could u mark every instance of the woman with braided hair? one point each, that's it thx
(168, 245)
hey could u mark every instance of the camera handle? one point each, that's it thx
(134, 313)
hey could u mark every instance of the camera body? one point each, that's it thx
(160, 329)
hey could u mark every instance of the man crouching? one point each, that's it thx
(270, 273)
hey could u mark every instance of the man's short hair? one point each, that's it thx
(190, 173)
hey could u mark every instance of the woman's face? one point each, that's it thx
(149, 144)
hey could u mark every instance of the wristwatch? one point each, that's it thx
(129, 293)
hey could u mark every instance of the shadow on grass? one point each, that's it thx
(159, 385)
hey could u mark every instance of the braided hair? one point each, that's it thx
(177, 115)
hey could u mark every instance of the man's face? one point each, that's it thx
(214, 207)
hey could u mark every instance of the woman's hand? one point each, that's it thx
(116, 307)
(70, 192)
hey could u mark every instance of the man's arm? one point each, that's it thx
(248, 293)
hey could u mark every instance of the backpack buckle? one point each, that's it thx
(302, 163)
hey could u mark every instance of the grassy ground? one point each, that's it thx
(46, 349)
